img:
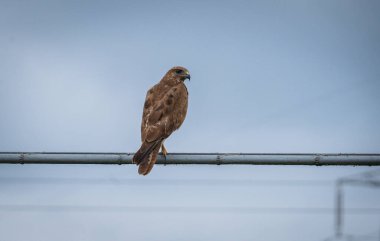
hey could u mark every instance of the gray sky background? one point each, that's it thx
(267, 76)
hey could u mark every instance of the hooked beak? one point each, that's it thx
(187, 76)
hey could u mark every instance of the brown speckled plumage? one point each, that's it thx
(164, 112)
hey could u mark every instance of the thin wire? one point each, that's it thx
(175, 182)
(354, 237)
(184, 209)
(363, 175)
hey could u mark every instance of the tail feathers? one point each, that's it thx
(146, 156)
(146, 166)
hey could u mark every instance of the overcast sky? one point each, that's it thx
(267, 76)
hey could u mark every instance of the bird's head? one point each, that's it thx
(178, 74)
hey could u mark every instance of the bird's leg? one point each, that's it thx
(164, 151)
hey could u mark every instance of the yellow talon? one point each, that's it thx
(164, 151)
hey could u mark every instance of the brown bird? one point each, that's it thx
(164, 112)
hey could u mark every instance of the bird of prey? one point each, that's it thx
(164, 112)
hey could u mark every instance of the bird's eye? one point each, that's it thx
(179, 71)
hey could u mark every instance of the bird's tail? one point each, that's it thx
(146, 156)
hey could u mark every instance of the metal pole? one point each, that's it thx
(365, 179)
(193, 158)
(338, 209)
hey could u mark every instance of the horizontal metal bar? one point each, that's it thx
(193, 158)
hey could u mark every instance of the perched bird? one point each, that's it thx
(164, 112)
